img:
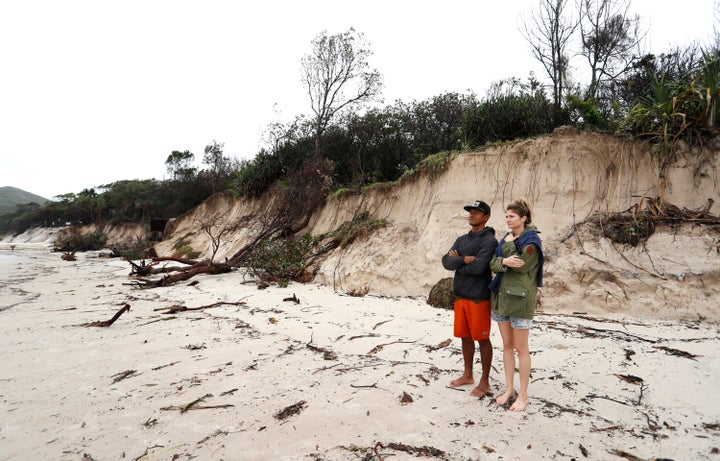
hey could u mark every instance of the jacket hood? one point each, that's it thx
(487, 229)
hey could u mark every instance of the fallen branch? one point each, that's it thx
(605, 397)
(595, 332)
(292, 298)
(676, 352)
(165, 366)
(184, 274)
(445, 343)
(141, 269)
(178, 308)
(326, 368)
(565, 409)
(380, 323)
(156, 320)
(123, 375)
(194, 405)
(183, 409)
(327, 353)
(107, 323)
(380, 347)
(425, 450)
(626, 455)
(630, 378)
(290, 410)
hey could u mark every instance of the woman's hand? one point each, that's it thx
(513, 261)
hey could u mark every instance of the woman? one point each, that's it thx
(518, 265)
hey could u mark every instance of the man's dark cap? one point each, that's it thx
(479, 205)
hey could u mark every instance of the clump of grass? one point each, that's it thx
(183, 249)
(361, 226)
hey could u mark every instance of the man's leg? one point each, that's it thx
(468, 351)
(486, 354)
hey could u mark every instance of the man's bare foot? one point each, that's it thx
(520, 404)
(505, 397)
(481, 390)
(461, 381)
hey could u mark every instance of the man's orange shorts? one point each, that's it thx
(472, 319)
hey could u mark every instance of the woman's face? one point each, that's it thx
(515, 222)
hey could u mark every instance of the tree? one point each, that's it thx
(178, 165)
(337, 75)
(716, 29)
(91, 204)
(608, 37)
(548, 33)
(220, 168)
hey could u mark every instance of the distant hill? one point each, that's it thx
(11, 196)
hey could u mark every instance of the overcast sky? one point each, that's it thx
(95, 91)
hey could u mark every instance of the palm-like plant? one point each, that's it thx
(684, 108)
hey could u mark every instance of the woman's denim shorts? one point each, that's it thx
(516, 322)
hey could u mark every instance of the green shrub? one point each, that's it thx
(83, 242)
(584, 112)
(281, 260)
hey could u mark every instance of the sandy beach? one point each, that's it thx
(324, 376)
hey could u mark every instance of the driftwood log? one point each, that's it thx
(174, 274)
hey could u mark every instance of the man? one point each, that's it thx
(470, 258)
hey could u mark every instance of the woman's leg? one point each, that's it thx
(520, 339)
(506, 332)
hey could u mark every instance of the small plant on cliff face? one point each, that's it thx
(182, 248)
(360, 226)
(630, 227)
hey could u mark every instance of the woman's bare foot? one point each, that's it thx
(462, 381)
(505, 397)
(520, 404)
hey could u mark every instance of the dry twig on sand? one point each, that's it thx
(107, 323)
(380, 347)
(194, 405)
(290, 410)
(676, 352)
(123, 375)
(178, 308)
(292, 298)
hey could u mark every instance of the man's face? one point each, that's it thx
(477, 217)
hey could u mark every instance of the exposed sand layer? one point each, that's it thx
(567, 177)
(324, 379)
